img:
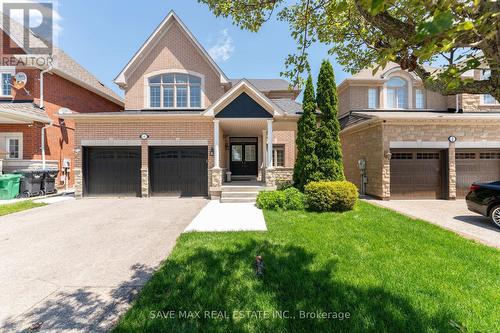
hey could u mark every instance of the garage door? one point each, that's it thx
(179, 171)
(112, 171)
(476, 166)
(416, 174)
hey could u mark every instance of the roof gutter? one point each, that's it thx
(41, 84)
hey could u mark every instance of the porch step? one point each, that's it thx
(229, 195)
(238, 188)
(238, 200)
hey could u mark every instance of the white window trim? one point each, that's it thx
(409, 84)
(377, 97)
(277, 147)
(6, 70)
(423, 98)
(483, 103)
(173, 71)
(15, 136)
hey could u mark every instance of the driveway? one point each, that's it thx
(75, 265)
(449, 214)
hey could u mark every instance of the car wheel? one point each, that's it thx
(495, 215)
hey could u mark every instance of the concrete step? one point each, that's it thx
(237, 200)
(226, 188)
(228, 195)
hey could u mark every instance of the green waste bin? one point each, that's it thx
(9, 186)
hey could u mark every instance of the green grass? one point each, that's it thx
(18, 206)
(390, 272)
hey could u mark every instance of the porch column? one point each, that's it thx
(270, 143)
(216, 144)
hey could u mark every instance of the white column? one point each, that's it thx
(264, 155)
(270, 143)
(216, 144)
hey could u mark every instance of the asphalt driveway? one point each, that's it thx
(74, 266)
(449, 214)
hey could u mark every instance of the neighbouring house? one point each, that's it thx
(32, 130)
(416, 143)
(185, 125)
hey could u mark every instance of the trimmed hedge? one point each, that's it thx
(336, 196)
(289, 199)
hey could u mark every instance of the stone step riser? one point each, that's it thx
(237, 200)
(242, 189)
(239, 194)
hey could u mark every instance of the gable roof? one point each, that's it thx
(243, 106)
(267, 85)
(62, 64)
(244, 86)
(121, 79)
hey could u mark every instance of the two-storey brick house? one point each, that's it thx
(185, 125)
(33, 133)
(413, 142)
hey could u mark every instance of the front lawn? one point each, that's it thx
(18, 206)
(389, 272)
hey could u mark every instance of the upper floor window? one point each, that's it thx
(175, 90)
(372, 98)
(488, 99)
(419, 99)
(6, 84)
(397, 93)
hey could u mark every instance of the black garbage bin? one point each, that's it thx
(31, 183)
(49, 181)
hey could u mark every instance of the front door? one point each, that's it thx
(243, 158)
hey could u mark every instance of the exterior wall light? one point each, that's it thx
(144, 136)
(452, 138)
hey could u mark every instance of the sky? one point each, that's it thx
(103, 35)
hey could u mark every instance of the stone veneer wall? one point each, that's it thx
(364, 142)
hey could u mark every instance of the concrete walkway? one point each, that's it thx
(74, 266)
(449, 214)
(218, 216)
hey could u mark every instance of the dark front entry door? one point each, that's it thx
(244, 158)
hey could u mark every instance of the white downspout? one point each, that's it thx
(41, 85)
(42, 105)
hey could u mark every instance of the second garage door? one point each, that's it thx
(476, 166)
(179, 171)
(417, 174)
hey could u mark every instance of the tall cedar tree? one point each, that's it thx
(306, 165)
(328, 147)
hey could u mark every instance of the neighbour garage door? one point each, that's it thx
(112, 171)
(416, 174)
(476, 165)
(179, 171)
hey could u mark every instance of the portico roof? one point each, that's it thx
(22, 113)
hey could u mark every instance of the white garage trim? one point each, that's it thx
(442, 144)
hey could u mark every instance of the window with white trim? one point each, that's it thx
(487, 99)
(175, 90)
(278, 155)
(13, 148)
(372, 98)
(419, 99)
(397, 93)
(6, 84)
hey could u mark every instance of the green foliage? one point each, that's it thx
(283, 184)
(306, 165)
(294, 199)
(270, 200)
(335, 196)
(19, 206)
(328, 149)
(289, 199)
(367, 33)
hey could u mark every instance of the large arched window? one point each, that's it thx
(175, 90)
(397, 93)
